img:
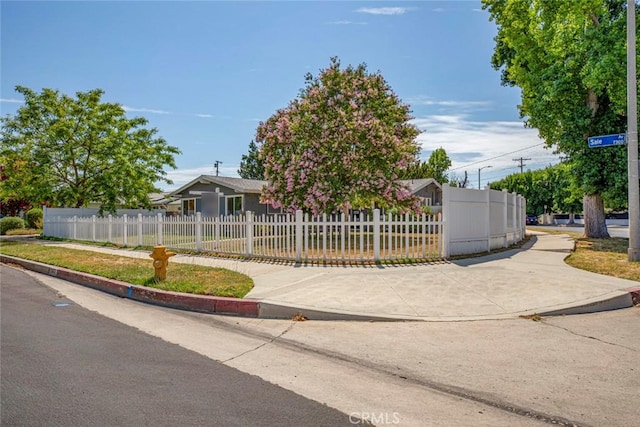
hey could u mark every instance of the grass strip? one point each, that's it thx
(187, 278)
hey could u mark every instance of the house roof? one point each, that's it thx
(416, 185)
(158, 199)
(239, 185)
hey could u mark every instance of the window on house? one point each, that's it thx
(189, 207)
(234, 205)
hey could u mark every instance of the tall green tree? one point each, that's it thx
(340, 144)
(251, 166)
(546, 190)
(436, 167)
(439, 163)
(568, 57)
(70, 151)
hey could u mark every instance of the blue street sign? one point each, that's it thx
(607, 140)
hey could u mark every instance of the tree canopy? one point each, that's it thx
(546, 190)
(340, 144)
(436, 167)
(66, 151)
(568, 59)
(251, 166)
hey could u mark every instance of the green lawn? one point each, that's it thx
(603, 256)
(180, 278)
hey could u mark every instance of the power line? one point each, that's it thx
(497, 157)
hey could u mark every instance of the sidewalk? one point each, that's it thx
(531, 280)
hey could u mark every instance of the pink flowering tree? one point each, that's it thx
(339, 145)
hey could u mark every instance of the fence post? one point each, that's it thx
(505, 217)
(517, 232)
(376, 235)
(406, 228)
(125, 231)
(216, 230)
(160, 229)
(109, 229)
(298, 235)
(343, 234)
(445, 226)
(361, 230)
(325, 234)
(140, 229)
(488, 224)
(45, 229)
(75, 227)
(249, 233)
(522, 205)
(199, 231)
(93, 228)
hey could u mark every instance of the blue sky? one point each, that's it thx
(204, 73)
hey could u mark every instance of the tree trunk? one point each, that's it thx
(595, 225)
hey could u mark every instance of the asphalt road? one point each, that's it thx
(569, 370)
(63, 365)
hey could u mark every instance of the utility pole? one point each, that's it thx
(521, 160)
(632, 136)
(217, 165)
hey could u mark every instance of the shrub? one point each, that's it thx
(34, 218)
(10, 223)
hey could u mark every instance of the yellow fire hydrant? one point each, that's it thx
(161, 257)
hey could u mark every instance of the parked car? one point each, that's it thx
(531, 219)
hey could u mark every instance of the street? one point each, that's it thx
(571, 370)
(63, 365)
(618, 231)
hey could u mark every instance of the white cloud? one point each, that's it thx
(12, 100)
(473, 144)
(438, 9)
(144, 110)
(384, 10)
(346, 23)
(425, 100)
(165, 112)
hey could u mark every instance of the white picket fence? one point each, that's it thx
(472, 221)
(298, 237)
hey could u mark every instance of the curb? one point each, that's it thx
(198, 303)
(276, 310)
(279, 310)
(626, 298)
(190, 302)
